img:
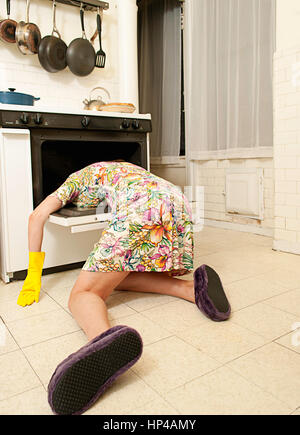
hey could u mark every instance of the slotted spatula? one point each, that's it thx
(100, 55)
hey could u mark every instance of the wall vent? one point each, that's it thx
(244, 192)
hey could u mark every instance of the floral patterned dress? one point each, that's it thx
(151, 227)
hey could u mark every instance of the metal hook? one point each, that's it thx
(54, 29)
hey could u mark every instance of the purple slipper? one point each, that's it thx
(210, 297)
(83, 376)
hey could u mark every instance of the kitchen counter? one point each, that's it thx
(69, 111)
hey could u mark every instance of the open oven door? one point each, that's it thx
(81, 220)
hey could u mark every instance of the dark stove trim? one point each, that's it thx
(45, 120)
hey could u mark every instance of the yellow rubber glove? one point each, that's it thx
(32, 285)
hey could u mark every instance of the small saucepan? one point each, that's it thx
(80, 53)
(52, 50)
(8, 27)
(28, 35)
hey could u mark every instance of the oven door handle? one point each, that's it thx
(88, 227)
(64, 221)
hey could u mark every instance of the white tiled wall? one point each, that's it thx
(211, 174)
(287, 149)
(61, 89)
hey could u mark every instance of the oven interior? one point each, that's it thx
(76, 155)
(54, 159)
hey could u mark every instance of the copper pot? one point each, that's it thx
(8, 27)
(28, 35)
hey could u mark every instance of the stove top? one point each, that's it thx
(13, 116)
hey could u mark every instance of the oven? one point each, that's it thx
(38, 151)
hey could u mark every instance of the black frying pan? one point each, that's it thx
(52, 49)
(8, 27)
(81, 54)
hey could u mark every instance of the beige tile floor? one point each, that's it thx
(190, 365)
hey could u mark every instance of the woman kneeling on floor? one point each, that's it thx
(148, 241)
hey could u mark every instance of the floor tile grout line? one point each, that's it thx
(28, 361)
(298, 408)
(159, 339)
(257, 276)
(50, 339)
(284, 311)
(35, 315)
(264, 301)
(250, 330)
(286, 347)
(194, 379)
(153, 401)
(172, 389)
(22, 392)
(170, 302)
(150, 386)
(222, 363)
(258, 386)
(156, 306)
(60, 305)
(210, 372)
(13, 337)
(174, 334)
(269, 340)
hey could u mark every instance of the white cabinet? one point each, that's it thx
(66, 240)
(15, 198)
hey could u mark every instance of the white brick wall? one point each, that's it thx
(211, 175)
(287, 150)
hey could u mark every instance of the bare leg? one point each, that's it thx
(87, 300)
(158, 282)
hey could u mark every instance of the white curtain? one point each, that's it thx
(229, 47)
(159, 42)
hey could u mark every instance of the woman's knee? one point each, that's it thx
(74, 296)
(101, 284)
(79, 290)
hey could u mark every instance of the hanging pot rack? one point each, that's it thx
(89, 5)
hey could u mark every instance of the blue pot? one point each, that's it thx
(13, 97)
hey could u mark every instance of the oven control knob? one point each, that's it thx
(24, 118)
(38, 119)
(135, 124)
(85, 121)
(125, 124)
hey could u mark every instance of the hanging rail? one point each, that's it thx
(89, 5)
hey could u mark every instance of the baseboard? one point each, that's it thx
(285, 246)
(268, 232)
(169, 161)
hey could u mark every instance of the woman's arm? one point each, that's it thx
(32, 285)
(37, 220)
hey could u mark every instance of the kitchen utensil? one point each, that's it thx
(81, 53)
(13, 97)
(8, 27)
(96, 31)
(95, 104)
(28, 35)
(52, 50)
(94, 36)
(118, 107)
(100, 55)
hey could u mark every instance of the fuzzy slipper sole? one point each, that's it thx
(86, 380)
(210, 295)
